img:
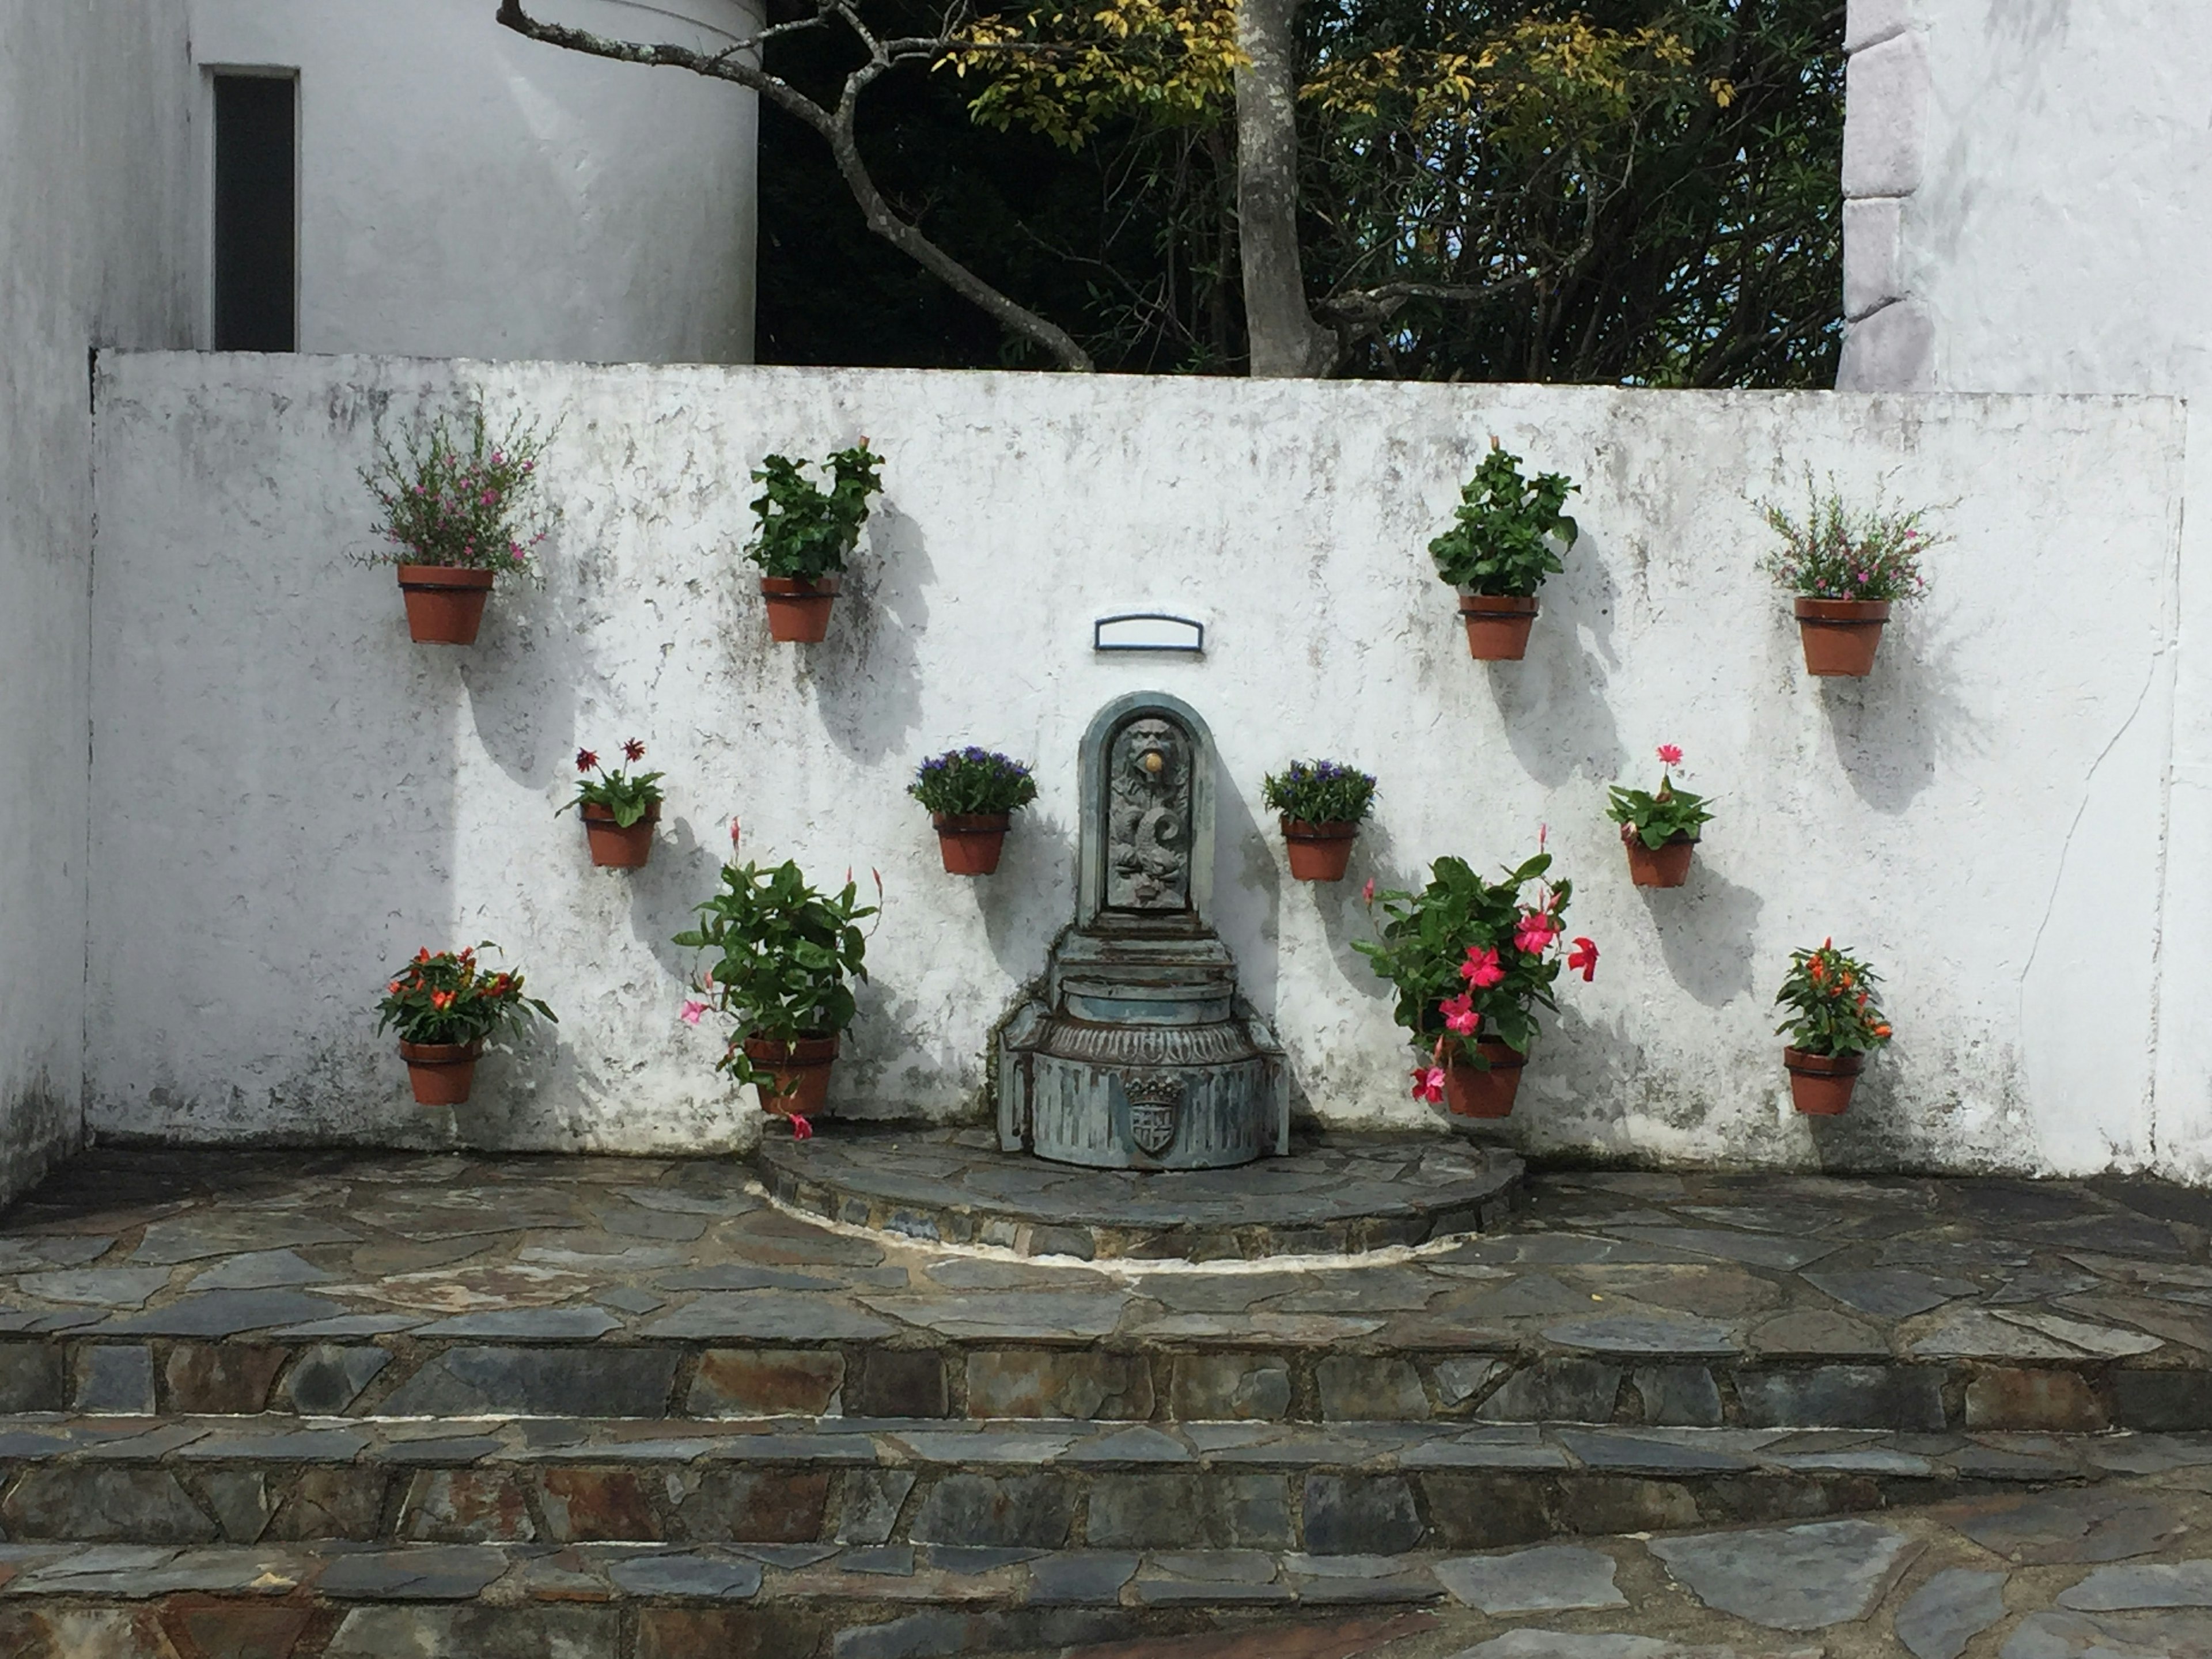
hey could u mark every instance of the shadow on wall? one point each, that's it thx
(1892, 727)
(866, 675)
(1706, 928)
(1247, 908)
(1553, 702)
(1032, 897)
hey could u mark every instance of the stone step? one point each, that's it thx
(1625, 1376)
(863, 1485)
(635, 1601)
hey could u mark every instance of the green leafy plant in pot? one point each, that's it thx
(445, 1004)
(1505, 538)
(455, 501)
(1834, 1023)
(1659, 827)
(1472, 961)
(1322, 803)
(619, 809)
(972, 795)
(805, 535)
(1848, 567)
(783, 960)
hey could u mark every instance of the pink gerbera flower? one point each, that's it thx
(1670, 754)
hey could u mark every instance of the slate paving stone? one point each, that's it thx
(1976, 1335)
(224, 1313)
(1163, 1508)
(1795, 1579)
(1566, 1644)
(1082, 1577)
(770, 1317)
(221, 1376)
(1684, 1396)
(2185, 1634)
(548, 1382)
(1554, 1578)
(528, 1324)
(1649, 1455)
(533, 1632)
(34, 1377)
(1052, 1382)
(1024, 1511)
(195, 1237)
(1207, 1387)
(1752, 1248)
(1556, 1391)
(326, 1379)
(1843, 1396)
(113, 1376)
(2157, 1584)
(2069, 1527)
(1888, 1293)
(1354, 1514)
(105, 1288)
(1949, 1611)
(868, 1503)
(430, 1573)
(708, 1577)
(259, 1270)
(139, 1506)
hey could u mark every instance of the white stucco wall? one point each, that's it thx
(2030, 186)
(290, 797)
(465, 191)
(92, 117)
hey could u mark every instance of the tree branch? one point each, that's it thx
(738, 64)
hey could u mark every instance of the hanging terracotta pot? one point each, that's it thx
(1498, 625)
(798, 609)
(445, 602)
(1319, 852)
(1841, 636)
(440, 1073)
(1469, 1092)
(800, 1068)
(1667, 865)
(1820, 1084)
(970, 842)
(614, 846)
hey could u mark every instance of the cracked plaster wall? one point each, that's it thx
(290, 797)
(92, 121)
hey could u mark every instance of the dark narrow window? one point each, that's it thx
(255, 259)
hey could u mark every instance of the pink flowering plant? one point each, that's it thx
(1836, 551)
(782, 957)
(630, 796)
(451, 492)
(1472, 958)
(1659, 816)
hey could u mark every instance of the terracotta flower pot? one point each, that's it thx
(1319, 852)
(799, 610)
(970, 842)
(1841, 636)
(613, 846)
(1472, 1093)
(801, 1070)
(1667, 865)
(1497, 625)
(440, 1073)
(1820, 1084)
(445, 602)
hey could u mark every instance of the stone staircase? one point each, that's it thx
(333, 1406)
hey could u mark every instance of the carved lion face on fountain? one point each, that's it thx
(1148, 818)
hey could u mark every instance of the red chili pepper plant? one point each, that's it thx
(444, 1005)
(1834, 1023)
(1659, 827)
(453, 511)
(1471, 960)
(618, 809)
(784, 957)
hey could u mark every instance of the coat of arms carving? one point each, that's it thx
(1155, 1108)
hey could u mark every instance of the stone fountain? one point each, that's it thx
(1141, 1056)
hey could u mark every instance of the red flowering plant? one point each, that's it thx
(629, 797)
(1472, 958)
(450, 997)
(1830, 996)
(460, 499)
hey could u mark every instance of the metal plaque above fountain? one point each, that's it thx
(1141, 1055)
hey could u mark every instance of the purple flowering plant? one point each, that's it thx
(452, 492)
(1320, 791)
(972, 782)
(1836, 551)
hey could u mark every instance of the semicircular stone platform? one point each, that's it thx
(1335, 1194)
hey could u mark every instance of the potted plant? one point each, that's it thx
(1659, 827)
(1847, 569)
(972, 795)
(1834, 1025)
(1322, 805)
(1500, 548)
(785, 957)
(444, 1006)
(454, 510)
(805, 534)
(1471, 960)
(618, 810)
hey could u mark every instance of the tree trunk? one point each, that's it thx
(1285, 342)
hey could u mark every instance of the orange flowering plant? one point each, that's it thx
(1830, 994)
(451, 998)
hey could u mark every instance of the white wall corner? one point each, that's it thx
(1871, 23)
(1892, 350)
(1871, 246)
(1886, 118)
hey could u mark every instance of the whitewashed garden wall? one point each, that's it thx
(288, 797)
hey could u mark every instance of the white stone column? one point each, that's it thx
(1888, 337)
